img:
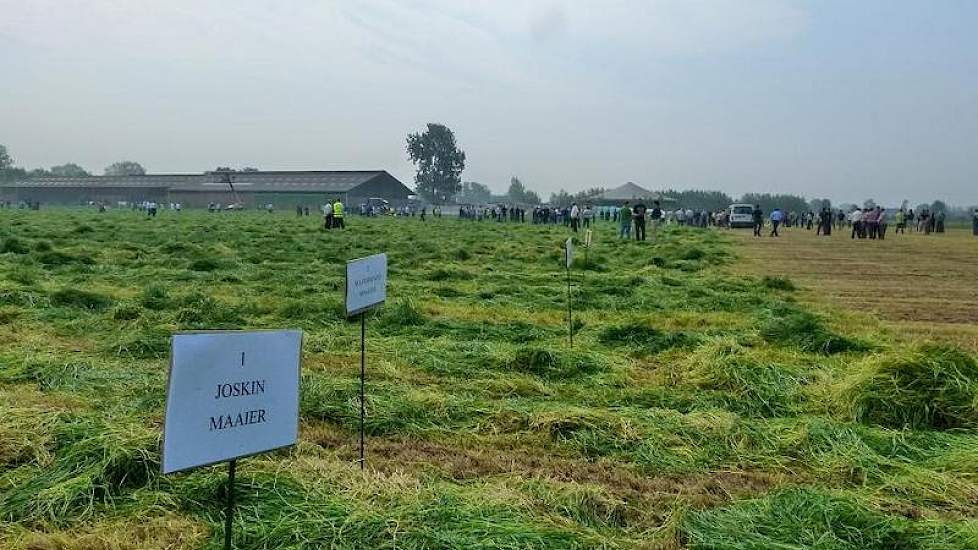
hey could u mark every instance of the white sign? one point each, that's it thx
(366, 283)
(587, 239)
(230, 394)
(569, 251)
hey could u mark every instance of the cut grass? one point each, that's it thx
(931, 386)
(804, 330)
(485, 429)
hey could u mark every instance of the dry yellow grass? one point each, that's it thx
(920, 286)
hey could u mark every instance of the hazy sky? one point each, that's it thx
(842, 98)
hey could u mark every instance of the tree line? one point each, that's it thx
(9, 171)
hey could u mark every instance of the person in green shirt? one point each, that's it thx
(625, 215)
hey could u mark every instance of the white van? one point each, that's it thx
(741, 215)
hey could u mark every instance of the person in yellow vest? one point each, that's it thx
(338, 215)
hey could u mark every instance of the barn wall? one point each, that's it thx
(72, 196)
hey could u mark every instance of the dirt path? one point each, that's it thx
(927, 285)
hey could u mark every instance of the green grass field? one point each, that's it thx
(698, 408)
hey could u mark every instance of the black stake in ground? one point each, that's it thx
(229, 510)
(363, 376)
(570, 315)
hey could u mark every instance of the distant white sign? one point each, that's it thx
(230, 394)
(569, 251)
(587, 238)
(366, 283)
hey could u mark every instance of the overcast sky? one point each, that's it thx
(841, 98)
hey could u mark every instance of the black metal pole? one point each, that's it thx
(229, 512)
(570, 315)
(363, 376)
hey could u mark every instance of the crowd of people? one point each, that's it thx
(637, 220)
(872, 223)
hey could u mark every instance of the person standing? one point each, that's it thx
(881, 223)
(625, 221)
(825, 222)
(338, 215)
(870, 220)
(575, 216)
(638, 216)
(901, 221)
(855, 220)
(656, 217)
(776, 217)
(974, 222)
(758, 216)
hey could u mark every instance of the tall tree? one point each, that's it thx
(69, 170)
(561, 198)
(439, 162)
(125, 168)
(474, 192)
(6, 162)
(517, 191)
(9, 172)
(817, 204)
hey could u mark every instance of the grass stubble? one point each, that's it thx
(698, 408)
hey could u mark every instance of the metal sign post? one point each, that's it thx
(229, 510)
(363, 379)
(568, 261)
(587, 246)
(366, 288)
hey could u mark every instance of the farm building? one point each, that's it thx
(284, 189)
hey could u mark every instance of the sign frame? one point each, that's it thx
(569, 252)
(347, 289)
(169, 382)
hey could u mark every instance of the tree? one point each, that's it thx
(561, 198)
(125, 168)
(6, 162)
(938, 206)
(818, 204)
(869, 203)
(9, 172)
(517, 191)
(768, 202)
(439, 162)
(474, 192)
(69, 170)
